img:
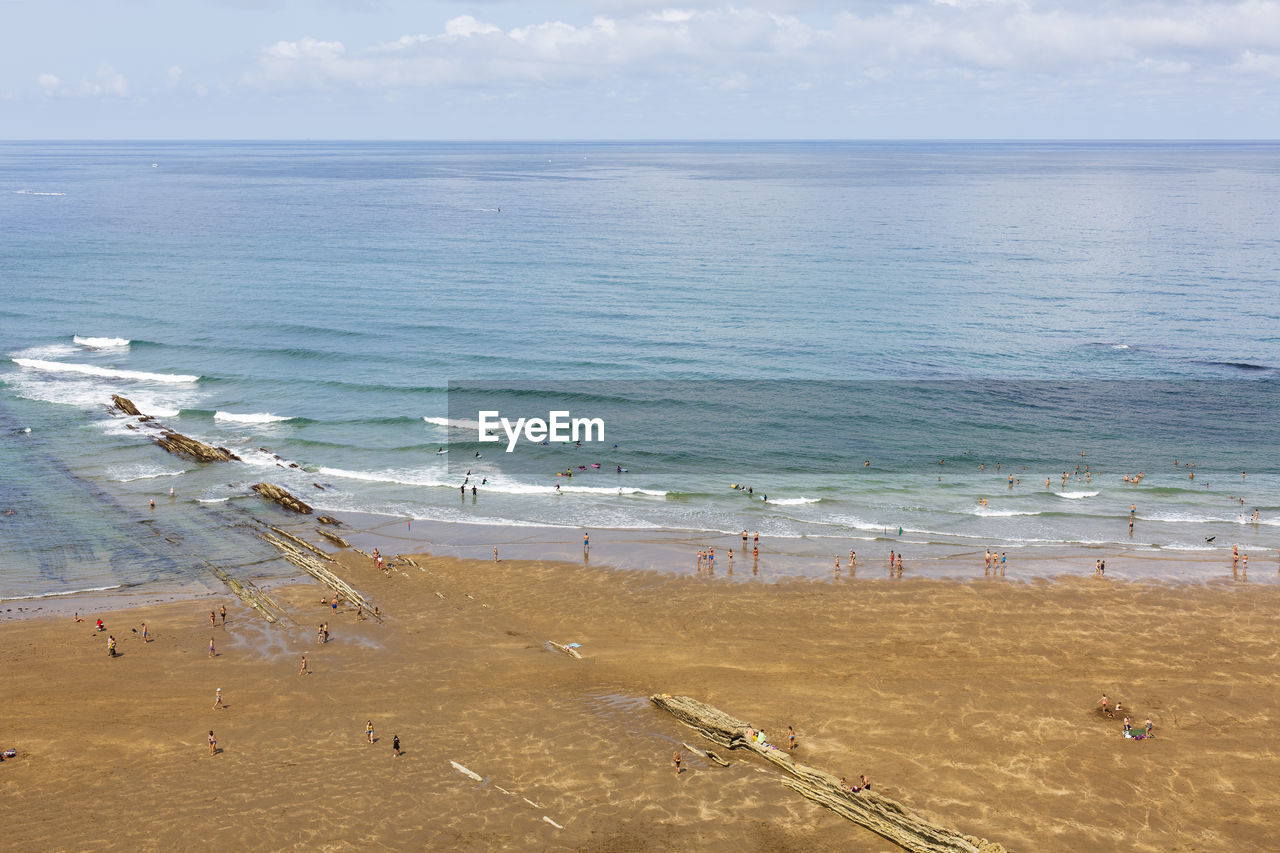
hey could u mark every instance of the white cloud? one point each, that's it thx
(107, 83)
(995, 41)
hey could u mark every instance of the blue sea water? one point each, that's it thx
(806, 307)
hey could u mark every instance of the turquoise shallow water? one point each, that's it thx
(810, 305)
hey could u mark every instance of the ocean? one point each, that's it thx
(875, 336)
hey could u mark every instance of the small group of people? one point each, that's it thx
(1128, 731)
(864, 784)
(1099, 568)
(996, 562)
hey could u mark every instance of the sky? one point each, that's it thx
(631, 69)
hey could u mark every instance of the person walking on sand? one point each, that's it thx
(213, 619)
(222, 611)
(213, 743)
(212, 652)
(395, 746)
(368, 730)
(586, 542)
(302, 670)
(676, 759)
(495, 553)
(111, 645)
(145, 637)
(217, 700)
(791, 738)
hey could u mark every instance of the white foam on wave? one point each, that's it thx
(46, 351)
(130, 473)
(1184, 518)
(1075, 496)
(515, 487)
(435, 478)
(988, 512)
(35, 192)
(250, 418)
(857, 523)
(257, 457)
(1120, 346)
(88, 393)
(794, 501)
(104, 372)
(453, 424)
(100, 343)
(398, 476)
(64, 592)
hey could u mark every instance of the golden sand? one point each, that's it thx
(971, 703)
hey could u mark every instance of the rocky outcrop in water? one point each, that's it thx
(125, 405)
(275, 493)
(328, 519)
(176, 442)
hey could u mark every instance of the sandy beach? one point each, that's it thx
(971, 703)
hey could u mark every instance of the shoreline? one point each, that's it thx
(661, 552)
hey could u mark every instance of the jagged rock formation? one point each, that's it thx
(275, 493)
(176, 442)
(326, 519)
(125, 405)
(876, 812)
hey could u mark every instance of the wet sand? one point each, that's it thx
(972, 703)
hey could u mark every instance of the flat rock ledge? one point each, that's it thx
(887, 818)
